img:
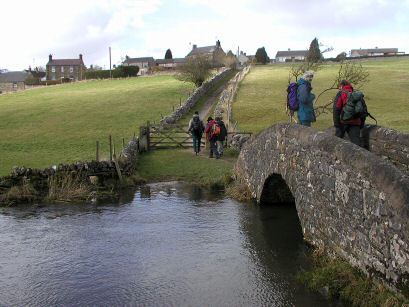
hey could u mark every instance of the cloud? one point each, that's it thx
(149, 27)
(51, 26)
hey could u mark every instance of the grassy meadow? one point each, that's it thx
(179, 164)
(61, 124)
(261, 98)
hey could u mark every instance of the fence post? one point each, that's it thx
(110, 148)
(97, 152)
(148, 136)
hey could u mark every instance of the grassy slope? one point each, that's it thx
(262, 95)
(59, 124)
(202, 101)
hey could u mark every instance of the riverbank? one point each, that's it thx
(337, 279)
(184, 165)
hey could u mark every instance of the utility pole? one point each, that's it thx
(110, 69)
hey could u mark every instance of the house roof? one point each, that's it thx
(179, 60)
(14, 76)
(202, 50)
(164, 61)
(65, 62)
(375, 50)
(139, 60)
(291, 53)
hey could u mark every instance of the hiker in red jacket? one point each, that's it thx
(211, 137)
(352, 126)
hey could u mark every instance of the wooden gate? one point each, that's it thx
(175, 136)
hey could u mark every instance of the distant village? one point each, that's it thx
(70, 70)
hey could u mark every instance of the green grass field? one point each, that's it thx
(261, 98)
(61, 124)
(176, 164)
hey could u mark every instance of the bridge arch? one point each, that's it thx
(276, 191)
(349, 201)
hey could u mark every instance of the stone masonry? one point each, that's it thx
(350, 201)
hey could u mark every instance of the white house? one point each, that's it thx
(291, 56)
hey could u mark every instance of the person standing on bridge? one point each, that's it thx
(352, 126)
(306, 114)
(196, 128)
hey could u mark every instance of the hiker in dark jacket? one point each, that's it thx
(221, 137)
(306, 114)
(352, 126)
(211, 137)
(196, 127)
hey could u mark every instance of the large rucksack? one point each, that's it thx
(197, 126)
(355, 107)
(292, 99)
(215, 130)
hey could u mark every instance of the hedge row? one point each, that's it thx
(119, 72)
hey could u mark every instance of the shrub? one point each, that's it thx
(119, 72)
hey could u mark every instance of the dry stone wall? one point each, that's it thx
(389, 144)
(349, 201)
(192, 100)
(37, 179)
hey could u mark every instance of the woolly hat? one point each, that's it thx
(309, 74)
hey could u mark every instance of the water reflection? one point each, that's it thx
(171, 244)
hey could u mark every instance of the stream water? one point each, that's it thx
(165, 244)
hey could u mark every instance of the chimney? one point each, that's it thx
(50, 57)
(289, 49)
(245, 54)
(80, 56)
(29, 68)
(218, 43)
(241, 52)
(194, 47)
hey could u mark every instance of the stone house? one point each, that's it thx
(143, 63)
(215, 53)
(243, 58)
(72, 69)
(375, 52)
(13, 81)
(170, 63)
(291, 56)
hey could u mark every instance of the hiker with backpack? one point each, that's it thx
(306, 114)
(196, 128)
(349, 112)
(212, 132)
(221, 137)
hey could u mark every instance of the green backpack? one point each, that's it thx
(355, 106)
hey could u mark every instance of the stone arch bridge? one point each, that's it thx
(350, 201)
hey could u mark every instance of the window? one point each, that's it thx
(62, 69)
(52, 68)
(71, 69)
(14, 85)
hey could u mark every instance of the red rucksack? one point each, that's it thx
(215, 131)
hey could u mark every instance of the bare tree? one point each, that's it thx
(353, 72)
(297, 70)
(196, 70)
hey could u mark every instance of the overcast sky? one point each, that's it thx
(31, 30)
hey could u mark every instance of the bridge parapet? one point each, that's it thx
(349, 200)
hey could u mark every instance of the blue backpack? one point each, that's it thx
(292, 100)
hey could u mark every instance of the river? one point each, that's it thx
(167, 244)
